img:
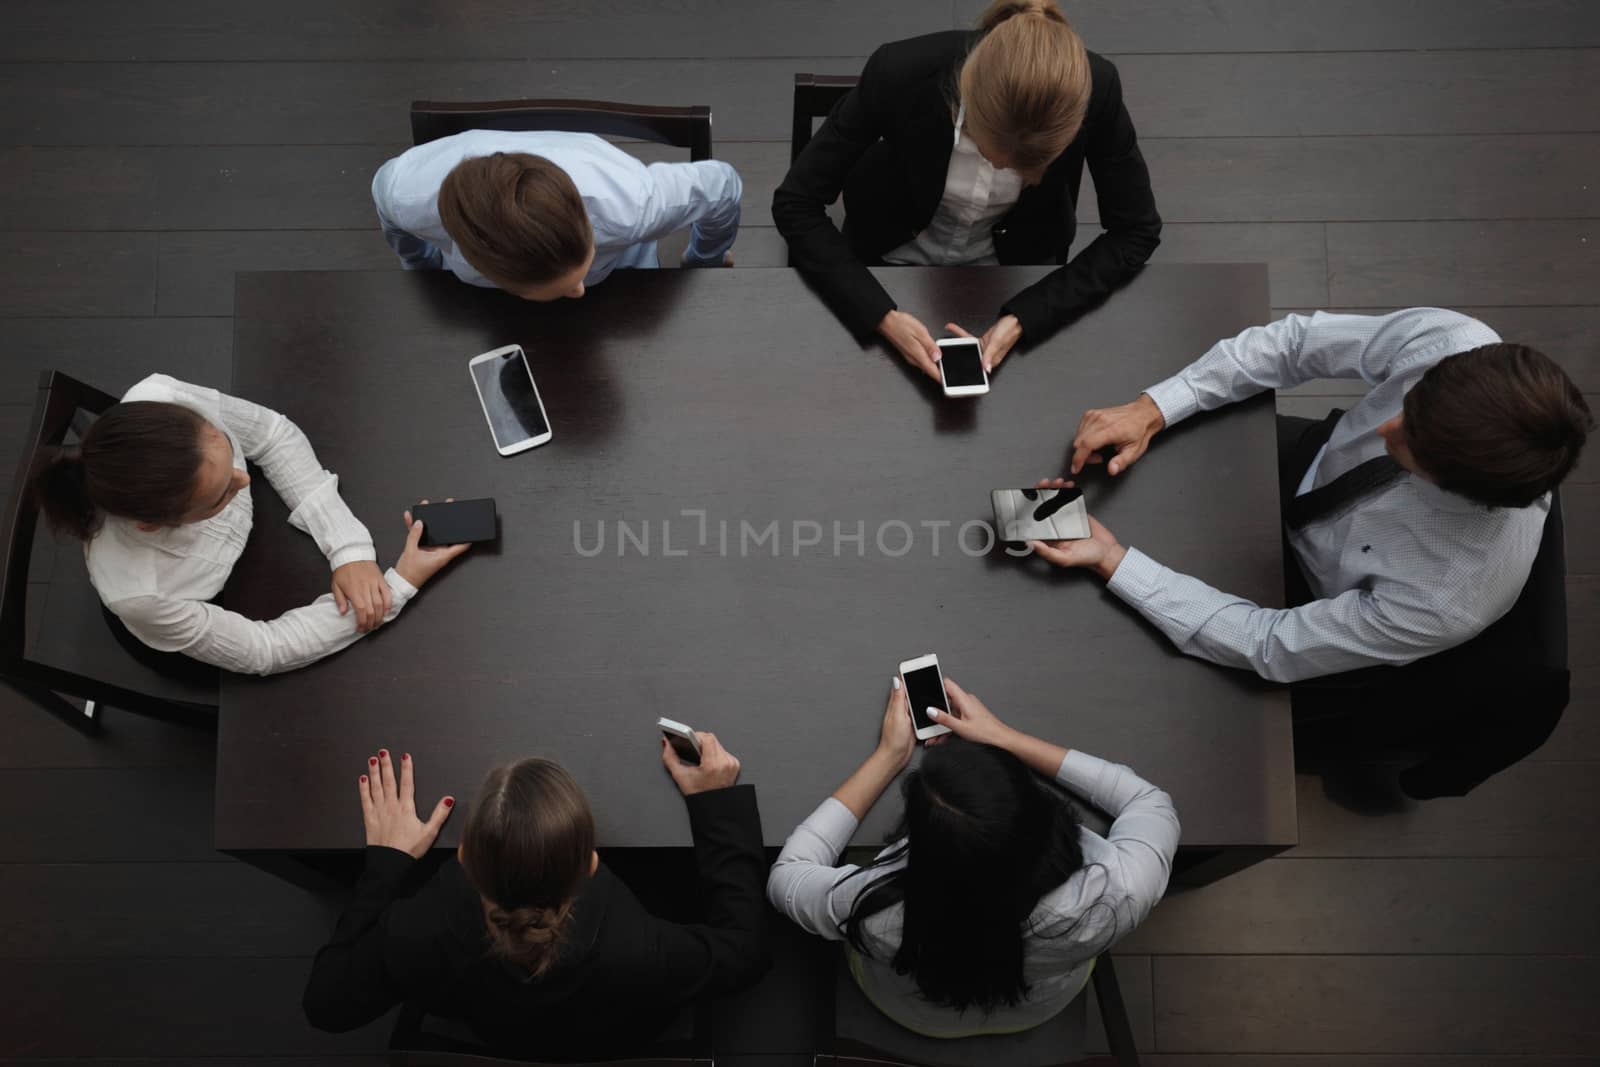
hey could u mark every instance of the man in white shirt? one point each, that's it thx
(1415, 525)
(1435, 549)
(546, 214)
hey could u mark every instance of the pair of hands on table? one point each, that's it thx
(913, 341)
(360, 585)
(1125, 432)
(389, 806)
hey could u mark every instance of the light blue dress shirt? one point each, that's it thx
(1406, 572)
(631, 204)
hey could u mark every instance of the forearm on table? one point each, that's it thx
(294, 639)
(863, 788)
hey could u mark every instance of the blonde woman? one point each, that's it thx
(969, 148)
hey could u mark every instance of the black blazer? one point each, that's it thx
(622, 975)
(887, 146)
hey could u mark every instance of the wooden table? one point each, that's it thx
(698, 409)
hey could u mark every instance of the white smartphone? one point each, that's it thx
(924, 689)
(510, 400)
(681, 738)
(961, 367)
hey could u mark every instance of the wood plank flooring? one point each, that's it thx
(1373, 154)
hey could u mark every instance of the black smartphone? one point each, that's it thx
(455, 522)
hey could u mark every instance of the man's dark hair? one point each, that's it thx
(1500, 424)
(516, 217)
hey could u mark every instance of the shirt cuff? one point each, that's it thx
(402, 589)
(1175, 398)
(1137, 578)
(352, 554)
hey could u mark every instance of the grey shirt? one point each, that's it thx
(1123, 875)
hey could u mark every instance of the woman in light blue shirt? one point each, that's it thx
(544, 214)
(985, 913)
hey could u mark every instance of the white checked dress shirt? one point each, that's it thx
(1123, 875)
(1404, 572)
(159, 582)
(976, 196)
(631, 205)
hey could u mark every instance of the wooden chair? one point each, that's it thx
(814, 97)
(419, 1040)
(75, 653)
(862, 1036)
(684, 127)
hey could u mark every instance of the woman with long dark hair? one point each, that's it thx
(525, 934)
(985, 913)
(159, 495)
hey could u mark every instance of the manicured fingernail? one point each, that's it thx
(372, 761)
(933, 713)
(383, 753)
(405, 756)
(363, 778)
(895, 682)
(449, 802)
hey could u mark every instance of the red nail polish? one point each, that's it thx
(383, 752)
(372, 761)
(405, 756)
(449, 802)
(363, 779)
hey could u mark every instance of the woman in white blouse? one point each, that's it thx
(985, 913)
(158, 493)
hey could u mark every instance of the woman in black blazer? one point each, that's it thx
(964, 147)
(525, 934)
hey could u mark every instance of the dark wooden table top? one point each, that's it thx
(736, 394)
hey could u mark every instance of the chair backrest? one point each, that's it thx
(684, 127)
(421, 1040)
(814, 97)
(862, 1035)
(59, 401)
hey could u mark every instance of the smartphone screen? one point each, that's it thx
(510, 399)
(962, 364)
(456, 522)
(924, 689)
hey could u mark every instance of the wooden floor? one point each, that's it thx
(1374, 153)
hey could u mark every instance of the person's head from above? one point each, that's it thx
(518, 219)
(527, 849)
(1025, 86)
(984, 838)
(154, 463)
(1500, 424)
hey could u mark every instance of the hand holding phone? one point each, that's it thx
(418, 564)
(718, 768)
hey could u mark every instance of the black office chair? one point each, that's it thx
(862, 1036)
(683, 127)
(75, 653)
(814, 98)
(420, 1040)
